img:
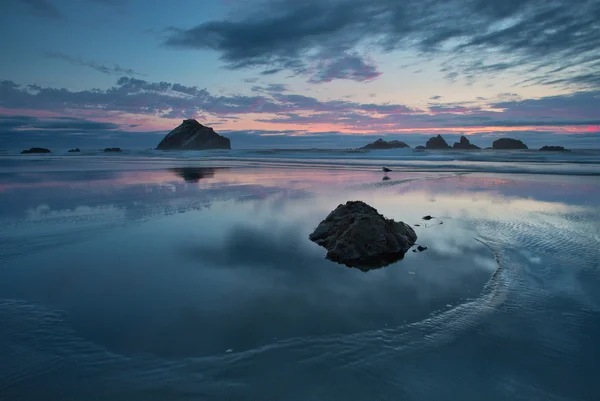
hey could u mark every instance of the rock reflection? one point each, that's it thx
(194, 174)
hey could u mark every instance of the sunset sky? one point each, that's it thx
(296, 71)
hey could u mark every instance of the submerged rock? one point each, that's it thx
(35, 150)
(381, 144)
(508, 143)
(191, 135)
(107, 150)
(74, 150)
(356, 235)
(554, 149)
(437, 142)
(464, 144)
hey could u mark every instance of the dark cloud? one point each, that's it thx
(13, 123)
(346, 66)
(436, 97)
(43, 8)
(114, 70)
(556, 41)
(270, 88)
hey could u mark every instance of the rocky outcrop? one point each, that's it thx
(420, 147)
(554, 149)
(74, 150)
(356, 235)
(508, 143)
(464, 144)
(109, 150)
(35, 150)
(381, 144)
(437, 142)
(191, 135)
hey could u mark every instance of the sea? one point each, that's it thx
(147, 275)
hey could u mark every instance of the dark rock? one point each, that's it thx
(107, 150)
(437, 142)
(381, 144)
(35, 150)
(554, 149)
(420, 147)
(464, 144)
(191, 135)
(428, 217)
(356, 235)
(421, 248)
(417, 225)
(386, 170)
(74, 150)
(508, 143)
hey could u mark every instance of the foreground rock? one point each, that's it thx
(356, 235)
(464, 144)
(554, 149)
(381, 144)
(191, 135)
(35, 150)
(437, 142)
(74, 150)
(508, 143)
(108, 150)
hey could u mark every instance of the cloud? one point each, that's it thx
(347, 66)
(133, 96)
(115, 70)
(553, 42)
(43, 8)
(436, 97)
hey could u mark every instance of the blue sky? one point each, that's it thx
(120, 69)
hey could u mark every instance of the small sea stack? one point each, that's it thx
(191, 135)
(381, 144)
(553, 149)
(35, 150)
(437, 142)
(508, 144)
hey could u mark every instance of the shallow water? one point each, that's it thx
(171, 280)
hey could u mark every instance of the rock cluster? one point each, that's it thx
(464, 144)
(35, 150)
(381, 144)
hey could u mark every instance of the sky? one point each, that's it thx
(323, 73)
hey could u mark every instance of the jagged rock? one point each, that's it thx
(107, 150)
(35, 150)
(191, 135)
(420, 147)
(508, 143)
(437, 142)
(74, 150)
(464, 144)
(381, 144)
(554, 149)
(356, 235)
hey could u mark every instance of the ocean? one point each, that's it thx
(145, 275)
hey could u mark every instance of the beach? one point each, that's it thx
(180, 276)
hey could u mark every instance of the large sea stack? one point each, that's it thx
(508, 143)
(356, 235)
(191, 135)
(464, 144)
(437, 142)
(381, 144)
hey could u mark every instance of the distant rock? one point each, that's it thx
(356, 235)
(554, 149)
(464, 144)
(437, 142)
(74, 150)
(35, 150)
(381, 144)
(508, 143)
(108, 150)
(420, 147)
(428, 217)
(191, 135)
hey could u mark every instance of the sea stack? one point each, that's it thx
(508, 143)
(464, 144)
(437, 142)
(191, 135)
(554, 149)
(35, 150)
(381, 144)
